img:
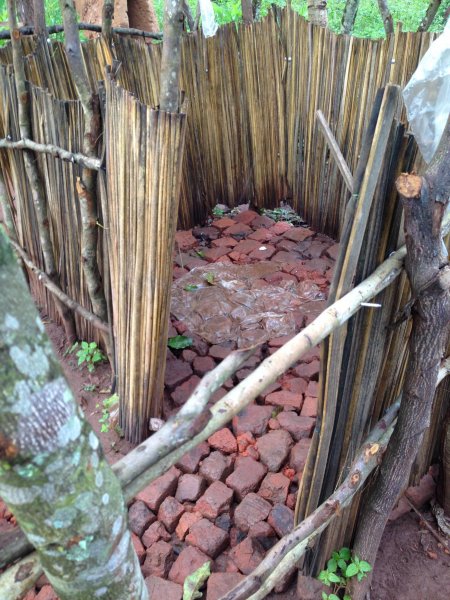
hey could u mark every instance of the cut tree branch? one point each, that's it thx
(171, 56)
(430, 15)
(73, 157)
(6, 34)
(107, 18)
(388, 22)
(349, 16)
(56, 291)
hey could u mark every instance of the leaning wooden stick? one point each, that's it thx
(73, 157)
(57, 291)
(28, 30)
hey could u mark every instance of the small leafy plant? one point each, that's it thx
(340, 568)
(179, 342)
(107, 405)
(89, 355)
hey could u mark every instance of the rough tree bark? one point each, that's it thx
(171, 56)
(424, 200)
(53, 475)
(107, 18)
(34, 178)
(25, 9)
(87, 184)
(388, 22)
(39, 18)
(432, 9)
(247, 12)
(317, 12)
(349, 16)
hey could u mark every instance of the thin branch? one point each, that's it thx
(73, 157)
(335, 151)
(430, 15)
(6, 34)
(107, 18)
(54, 289)
(18, 579)
(434, 533)
(386, 16)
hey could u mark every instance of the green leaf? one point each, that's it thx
(355, 559)
(347, 597)
(364, 566)
(324, 577)
(200, 253)
(342, 564)
(190, 287)
(178, 342)
(85, 345)
(90, 367)
(333, 597)
(81, 360)
(332, 565)
(351, 570)
(92, 346)
(104, 428)
(97, 356)
(360, 576)
(334, 578)
(335, 555)
(324, 596)
(209, 277)
(195, 581)
(345, 553)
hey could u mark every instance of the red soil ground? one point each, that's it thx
(232, 498)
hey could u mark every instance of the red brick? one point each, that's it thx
(312, 389)
(208, 538)
(215, 501)
(309, 588)
(261, 236)
(274, 488)
(247, 246)
(138, 547)
(187, 520)
(264, 252)
(263, 532)
(298, 234)
(251, 510)
(213, 254)
(244, 440)
(159, 560)
(298, 426)
(183, 391)
(280, 341)
(333, 251)
(238, 230)
(154, 533)
(224, 441)
(221, 351)
(188, 356)
(224, 242)
(286, 399)
(216, 467)
(169, 513)
(184, 240)
(223, 223)
(247, 555)
(281, 518)
(140, 517)
(246, 477)
(273, 448)
(297, 385)
(162, 589)
(177, 371)
(190, 461)
(221, 583)
(203, 364)
(308, 370)
(246, 216)
(275, 424)
(190, 488)
(47, 593)
(309, 408)
(159, 489)
(262, 221)
(189, 560)
(285, 257)
(281, 227)
(253, 418)
(299, 454)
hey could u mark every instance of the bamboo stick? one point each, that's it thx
(73, 157)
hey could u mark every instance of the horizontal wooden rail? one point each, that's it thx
(6, 35)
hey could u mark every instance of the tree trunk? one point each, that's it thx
(247, 12)
(349, 16)
(386, 16)
(432, 9)
(317, 12)
(171, 56)
(34, 178)
(107, 18)
(424, 200)
(25, 9)
(39, 18)
(53, 475)
(87, 185)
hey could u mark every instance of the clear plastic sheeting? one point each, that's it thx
(209, 23)
(427, 95)
(223, 302)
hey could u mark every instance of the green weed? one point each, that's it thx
(341, 567)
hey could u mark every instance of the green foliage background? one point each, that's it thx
(368, 21)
